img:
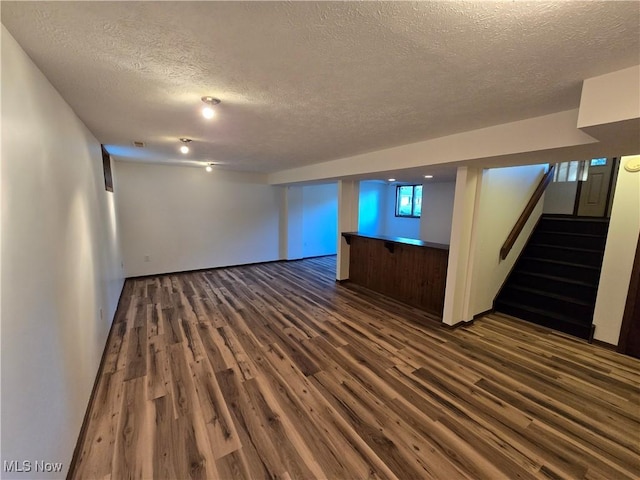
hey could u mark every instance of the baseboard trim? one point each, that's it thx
(482, 314)
(266, 262)
(181, 272)
(458, 325)
(607, 345)
(87, 414)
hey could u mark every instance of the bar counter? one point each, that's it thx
(411, 271)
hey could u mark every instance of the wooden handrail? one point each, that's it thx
(526, 213)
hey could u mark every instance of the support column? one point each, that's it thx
(459, 269)
(348, 202)
(291, 227)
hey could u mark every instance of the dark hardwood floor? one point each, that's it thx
(277, 371)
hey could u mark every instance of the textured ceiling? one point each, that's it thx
(305, 82)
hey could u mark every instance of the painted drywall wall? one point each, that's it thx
(560, 198)
(541, 139)
(619, 253)
(504, 192)
(61, 272)
(348, 211)
(398, 226)
(175, 218)
(319, 219)
(377, 208)
(459, 265)
(437, 212)
(610, 98)
(372, 207)
(291, 227)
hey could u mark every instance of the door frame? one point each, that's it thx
(612, 180)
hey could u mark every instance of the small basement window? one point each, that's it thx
(571, 171)
(409, 201)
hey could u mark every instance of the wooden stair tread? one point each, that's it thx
(564, 247)
(555, 296)
(541, 311)
(577, 234)
(557, 278)
(572, 218)
(561, 262)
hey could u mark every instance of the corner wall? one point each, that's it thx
(619, 253)
(61, 267)
(371, 204)
(503, 196)
(319, 219)
(437, 212)
(175, 218)
(406, 227)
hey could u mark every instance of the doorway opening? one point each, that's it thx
(583, 188)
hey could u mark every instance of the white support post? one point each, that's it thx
(459, 269)
(348, 202)
(291, 223)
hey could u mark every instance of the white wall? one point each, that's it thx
(619, 253)
(60, 265)
(504, 192)
(437, 211)
(610, 98)
(372, 207)
(319, 219)
(291, 227)
(460, 261)
(175, 218)
(398, 226)
(348, 211)
(542, 139)
(377, 212)
(560, 198)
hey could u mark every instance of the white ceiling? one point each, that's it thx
(305, 82)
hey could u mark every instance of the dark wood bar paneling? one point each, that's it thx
(411, 271)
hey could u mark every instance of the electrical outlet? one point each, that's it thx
(147, 258)
(101, 316)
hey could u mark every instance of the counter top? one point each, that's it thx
(399, 240)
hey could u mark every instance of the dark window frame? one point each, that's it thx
(413, 201)
(106, 168)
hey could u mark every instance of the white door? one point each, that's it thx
(595, 190)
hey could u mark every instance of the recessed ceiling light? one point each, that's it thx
(209, 167)
(392, 179)
(183, 148)
(428, 176)
(207, 110)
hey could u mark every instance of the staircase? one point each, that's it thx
(554, 283)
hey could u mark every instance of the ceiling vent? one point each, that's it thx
(138, 144)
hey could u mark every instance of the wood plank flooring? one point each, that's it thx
(276, 371)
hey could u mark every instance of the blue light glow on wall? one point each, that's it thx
(130, 152)
(370, 215)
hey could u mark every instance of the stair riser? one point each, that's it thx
(575, 241)
(576, 330)
(593, 259)
(579, 313)
(567, 271)
(580, 226)
(584, 293)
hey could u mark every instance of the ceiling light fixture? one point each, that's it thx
(207, 110)
(209, 167)
(392, 179)
(428, 176)
(184, 148)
